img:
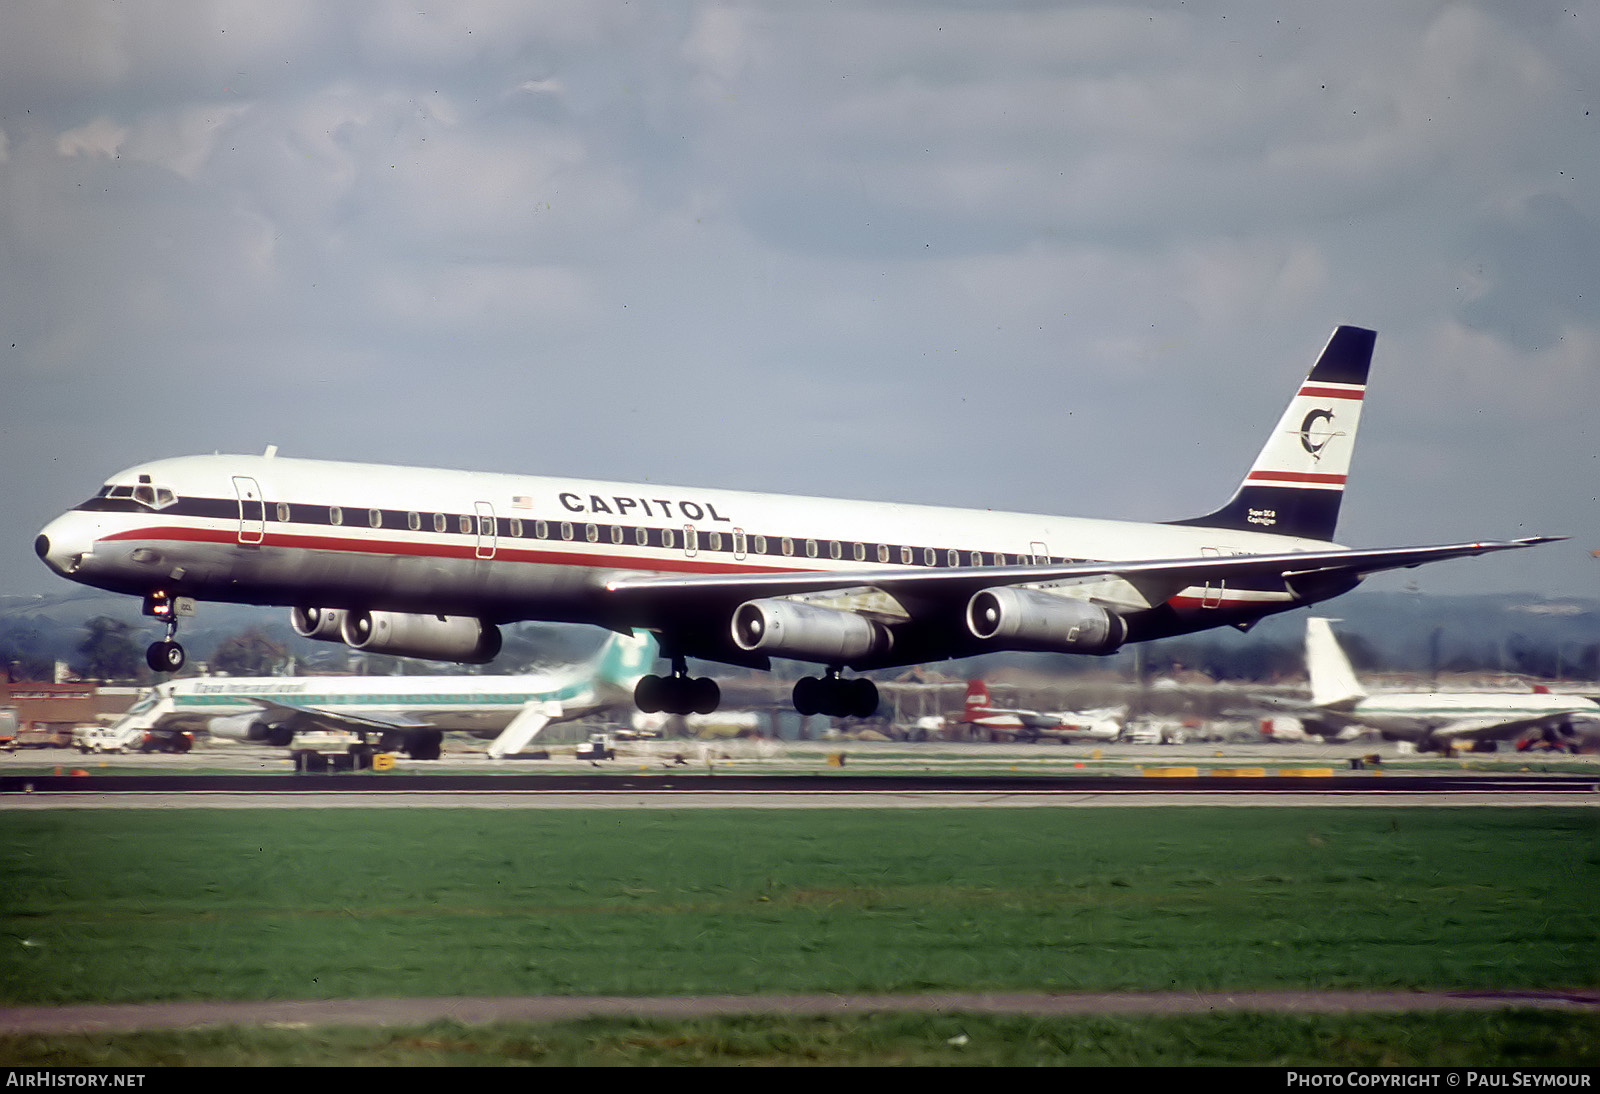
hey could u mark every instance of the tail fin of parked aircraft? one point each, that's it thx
(977, 696)
(1295, 485)
(625, 658)
(1333, 681)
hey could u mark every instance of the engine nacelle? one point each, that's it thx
(323, 624)
(434, 637)
(249, 727)
(1027, 619)
(788, 628)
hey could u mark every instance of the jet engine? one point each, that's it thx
(249, 727)
(434, 637)
(789, 628)
(322, 624)
(1028, 619)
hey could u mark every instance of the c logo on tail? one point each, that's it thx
(1324, 435)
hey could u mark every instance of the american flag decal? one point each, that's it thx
(522, 501)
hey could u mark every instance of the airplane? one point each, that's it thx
(391, 713)
(1103, 724)
(1436, 720)
(425, 562)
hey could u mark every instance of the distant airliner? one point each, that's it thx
(1434, 720)
(1101, 724)
(407, 714)
(428, 563)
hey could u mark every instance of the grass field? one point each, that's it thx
(141, 905)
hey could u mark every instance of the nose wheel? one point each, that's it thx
(166, 655)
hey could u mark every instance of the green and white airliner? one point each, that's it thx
(391, 713)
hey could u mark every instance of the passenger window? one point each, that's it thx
(438, 522)
(641, 536)
(929, 556)
(541, 529)
(788, 546)
(283, 512)
(861, 552)
(883, 552)
(714, 541)
(414, 521)
(566, 529)
(375, 517)
(761, 545)
(335, 515)
(811, 548)
(591, 533)
(516, 528)
(616, 533)
(465, 524)
(905, 556)
(833, 548)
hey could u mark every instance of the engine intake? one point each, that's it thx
(434, 637)
(806, 632)
(322, 624)
(1028, 619)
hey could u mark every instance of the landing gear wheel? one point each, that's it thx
(835, 697)
(677, 694)
(862, 698)
(164, 656)
(704, 695)
(808, 696)
(425, 745)
(649, 694)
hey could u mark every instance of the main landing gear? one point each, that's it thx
(166, 655)
(836, 697)
(679, 693)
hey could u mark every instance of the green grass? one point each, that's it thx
(1511, 1038)
(284, 904)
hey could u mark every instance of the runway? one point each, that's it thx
(813, 775)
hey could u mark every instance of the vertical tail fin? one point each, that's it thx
(625, 658)
(1297, 482)
(977, 696)
(1333, 681)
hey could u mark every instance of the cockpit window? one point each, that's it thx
(146, 494)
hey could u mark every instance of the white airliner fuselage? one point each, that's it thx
(429, 562)
(1435, 720)
(408, 713)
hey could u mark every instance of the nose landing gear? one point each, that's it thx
(167, 655)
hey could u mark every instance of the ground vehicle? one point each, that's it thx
(597, 747)
(100, 739)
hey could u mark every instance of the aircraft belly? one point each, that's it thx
(497, 590)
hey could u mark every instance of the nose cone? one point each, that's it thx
(64, 543)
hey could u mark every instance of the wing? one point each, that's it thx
(685, 604)
(300, 719)
(1496, 729)
(1179, 573)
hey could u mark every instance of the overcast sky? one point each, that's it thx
(1052, 257)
